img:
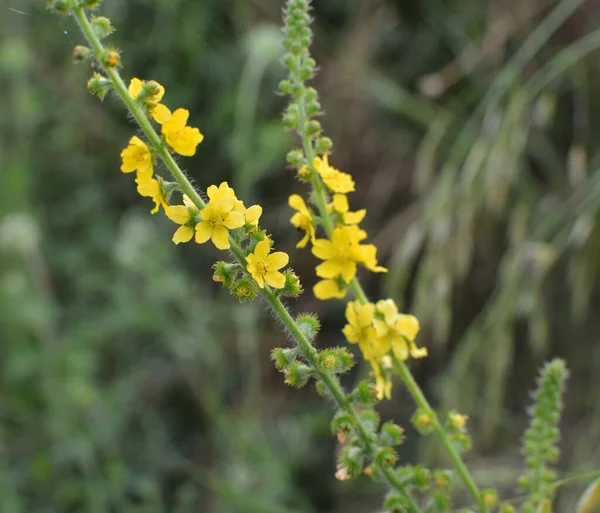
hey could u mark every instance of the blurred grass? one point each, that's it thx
(130, 382)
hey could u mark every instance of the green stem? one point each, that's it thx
(414, 389)
(401, 368)
(309, 351)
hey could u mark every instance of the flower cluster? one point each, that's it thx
(343, 251)
(382, 333)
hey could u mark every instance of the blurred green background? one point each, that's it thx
(130, 382)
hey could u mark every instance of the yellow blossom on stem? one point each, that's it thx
(251, 214)
(332, 288)
(159, 112)
(340, 206)
(366, 254)
(302, 219)
(216, 219)
(397, 331)
(334, 179)
(152, 188)
(187, 215)
(137, 157)
(181, 138)
(264, 267)
(339, 255)
(360, 327)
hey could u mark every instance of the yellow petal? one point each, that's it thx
(275, 279)
(179, 119)
(234, 220)
(348, 270)
(277, 260)
(183, 234)
(220, 237)
(262, 250)
(160, 113)
(327, 289)
(135, 87)
(252, 214)
(179, 214)
(355, 217)
(340, 203)
(296, 202)
(329, 269)
(324, 249)
(203, 232)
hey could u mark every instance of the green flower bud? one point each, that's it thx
(309, 325)
(341, 423)
(99, 85)
(81, 53)
(297, 374)
(422, 477)
(225, 273)
(292, 286)
(386, 457)
(391, 434)
(365, 393)
(370, 420)
(296, 158)
(285, 87)
(312, 128)
(244, 289)
(283, 357)
(111, 58)
(423, 421)
(323, 145)
(102, 26)
(59, 6)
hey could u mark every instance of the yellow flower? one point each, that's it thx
(159, 112)
(339, 255)
(181, 138)
(264, 268)
(327, 289)
(365, 254)
(137, 157)
(360, 325)
(302, 219)
(217, 218)
(340, 206)
(251, 214)
(383, 383)
(152, 188)
(458, 420)
(334, 179)
(397, 332)
(187, 215)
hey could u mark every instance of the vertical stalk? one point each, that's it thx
(308, 350)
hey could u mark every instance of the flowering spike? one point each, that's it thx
(539, 443)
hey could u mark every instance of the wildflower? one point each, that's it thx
(181, 138)
(339, 255)
(137, 157)
(457, 420)
(327, 289)
(159, 112)
(340, 206)
(360, 324)
(251, 214)
(187, 215)
(397, 331)
(265, 268)
(217, 218)
(302, 219)
(334, 179)
(365, 254)
(152, 188)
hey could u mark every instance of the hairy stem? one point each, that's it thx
(308, 350)
(402, 370)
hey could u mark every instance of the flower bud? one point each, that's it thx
(285, 87)
(283, 357)
(90, 4)
(423, 421)
(296, 158)
(111, 58)
(224, 273)
(292, 286)
(99, 85)
(312, 128)
(391, 434)
(101, 26)
(490, 497)
(309, 325)
(81, 53)
(386, 457)
(365, 393)
(323, 145)
(244, 290)
(297, 374)
(59, 6)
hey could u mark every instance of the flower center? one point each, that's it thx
(262, 267)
